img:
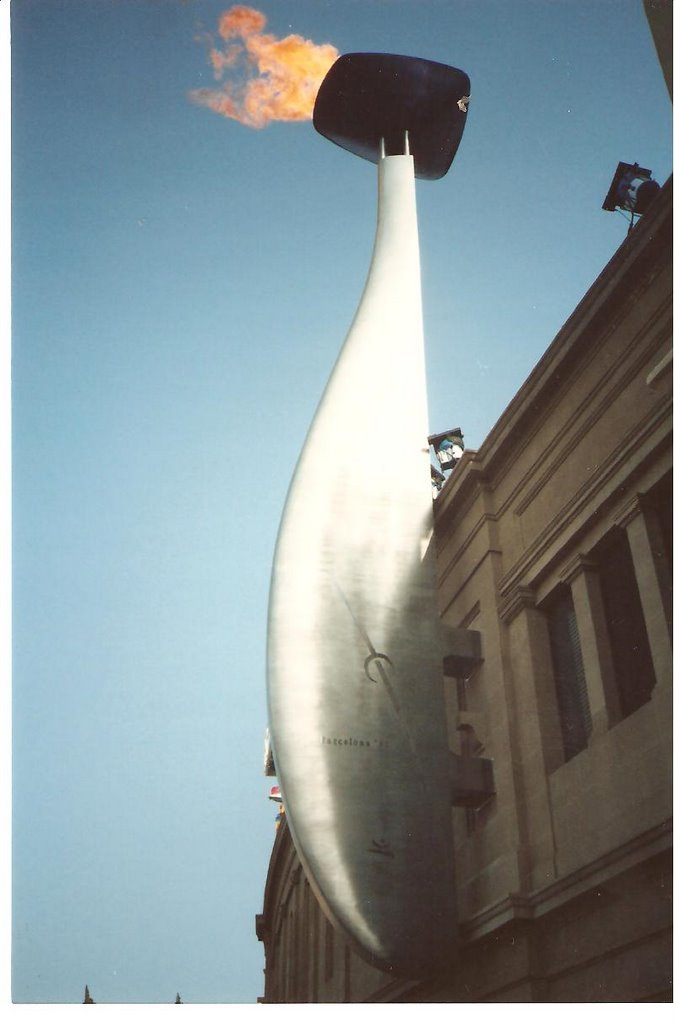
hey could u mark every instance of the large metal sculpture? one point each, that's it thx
(356, 706)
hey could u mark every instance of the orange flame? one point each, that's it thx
(265, 78)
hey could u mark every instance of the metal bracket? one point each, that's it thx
(473, 781)
(463, 649)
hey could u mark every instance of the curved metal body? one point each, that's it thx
(356, 707)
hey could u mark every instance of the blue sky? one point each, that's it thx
(181, 287)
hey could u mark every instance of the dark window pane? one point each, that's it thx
(567, 662)
(632, 662)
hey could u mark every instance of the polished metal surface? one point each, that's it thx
(356, 708)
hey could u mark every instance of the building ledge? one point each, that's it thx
(518, 906)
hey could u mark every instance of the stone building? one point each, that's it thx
(554, 544)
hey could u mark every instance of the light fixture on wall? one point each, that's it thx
(448, 447)
(632, 190)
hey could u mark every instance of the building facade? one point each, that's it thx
(554, 544)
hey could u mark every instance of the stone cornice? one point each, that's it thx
(641, 256)
(569, 436)
(578, 565)
(661, 374)
(536, 904)
(514, 602)
(629, 512)
(550, 540)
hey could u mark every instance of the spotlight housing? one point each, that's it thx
(448, 447)
(632, 189)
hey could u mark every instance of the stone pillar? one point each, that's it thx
(531, 659)
(538, 741)
(582, 575)
(643, 533)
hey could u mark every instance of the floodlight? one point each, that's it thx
(448, 447)
(632, 189)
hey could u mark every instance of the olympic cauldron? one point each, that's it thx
(354, 662)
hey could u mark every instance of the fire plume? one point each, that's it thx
(262, 78)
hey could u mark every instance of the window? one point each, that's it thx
(630, 651)
(567, 664)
